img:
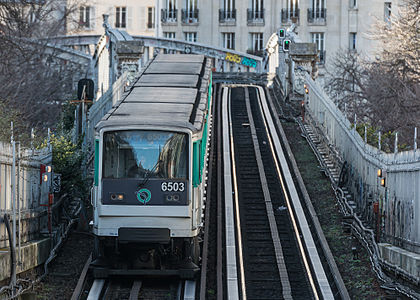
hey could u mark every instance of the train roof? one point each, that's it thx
(171, 91)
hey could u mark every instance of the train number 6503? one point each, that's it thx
(172, 186)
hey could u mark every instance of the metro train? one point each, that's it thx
(149, 180)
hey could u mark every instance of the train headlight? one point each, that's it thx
(172, 198)
(116, 197)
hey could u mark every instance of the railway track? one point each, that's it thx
(258, 246)
(273, 257)
(142, 289)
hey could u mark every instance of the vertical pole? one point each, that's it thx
(415, 139)
(396, 143)
(355, 122)
(18, 205)
(365, 135)
(32, 140)
(379, 140)
(13, 198)
(49, 138)
(157, 18)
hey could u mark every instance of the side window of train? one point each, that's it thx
(196, 164)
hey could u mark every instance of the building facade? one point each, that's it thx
(246, 25)
(135, 17)
(242, 25)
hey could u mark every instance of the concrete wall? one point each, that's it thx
(399, 200)
(29, 192)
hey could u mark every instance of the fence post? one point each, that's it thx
(396, 143)
(415, 139)
(18, 203)
(365, 135)
(32, 140)
(13, 181)
(355, 123)
(379, 140)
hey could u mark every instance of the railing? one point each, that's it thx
(318, 15)
(169, 15)
(189, 16)
(227, 15)
(400, 169)
(255, 16)
(289, 16)
(27, 190)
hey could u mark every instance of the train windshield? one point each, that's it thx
(141, 154)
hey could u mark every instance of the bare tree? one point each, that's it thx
(33, 81)
(383, 91)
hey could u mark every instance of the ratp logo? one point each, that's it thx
(143, 195)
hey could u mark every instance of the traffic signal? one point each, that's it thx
(383, 181)
(286, 45)
(282, 33)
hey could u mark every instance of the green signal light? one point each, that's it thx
(286, 45)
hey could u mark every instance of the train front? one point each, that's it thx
(143, 204)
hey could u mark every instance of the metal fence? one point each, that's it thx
(21, 190)
(398, 217)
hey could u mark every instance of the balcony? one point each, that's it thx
(317, 16)
(290, 16)
(227, 16)
(168, 16)
(255, 17)
(189, 16)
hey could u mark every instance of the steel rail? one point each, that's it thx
(96, 289)
(230, 239)
(219, 268)
(287, 184)
(189, 289)
(82, 279)
(204, 261)
(236, 195)
(284, 278)
(135, 290)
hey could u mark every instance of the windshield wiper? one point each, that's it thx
(149, 173)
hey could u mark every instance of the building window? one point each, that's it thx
(257, 5)
(169, 35)
(319, 40)
(228, 40)
(317, 12)
(150, 17)
(120, 17)
(190, 13)
(84, 16)
(353, 38)
(256, 12)
(387, 16)
(291, 12)
(228, 12)
(191, 37)
(257, 42)
(32, 17)
(353, 3)
(169, 14)
(229, 5)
